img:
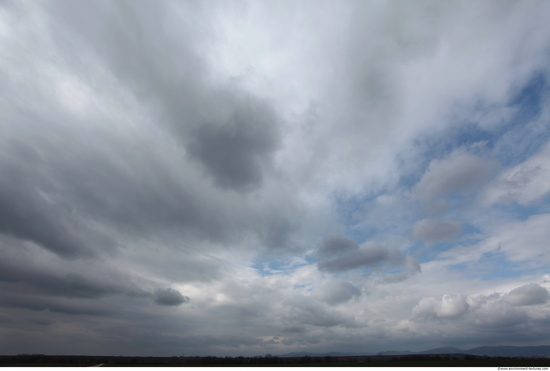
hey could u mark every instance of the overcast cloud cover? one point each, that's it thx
(242, 178)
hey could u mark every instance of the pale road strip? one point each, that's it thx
(101, 364)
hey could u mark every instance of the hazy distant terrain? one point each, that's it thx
(536, 356)
(491, 351)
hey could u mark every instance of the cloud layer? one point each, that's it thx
(266, 177)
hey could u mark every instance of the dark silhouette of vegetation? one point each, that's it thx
(416, 360)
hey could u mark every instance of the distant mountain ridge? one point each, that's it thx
(491, 351)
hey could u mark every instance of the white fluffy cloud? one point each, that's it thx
(519, 312)
(449, 306)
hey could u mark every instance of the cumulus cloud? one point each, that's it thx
(346, 255)
(412, 267)
(170, 297)
(337, 292)
(432, 230)
(530, 294)
(517, 312)
(460, 172)
(448, 306)
(336, 245)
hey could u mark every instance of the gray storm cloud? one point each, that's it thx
(336, 245)
(236, 152)
(170, 297)
(340, 254)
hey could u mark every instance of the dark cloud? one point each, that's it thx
(433, 231)
(336, 245)
(41, 304)
(530, 294)
(458, 173)
(67, 285)
(236, 151)
(40, 273)
(170, 297)
(27, 214)
(114, 167)
(303, 311)
(342, 254)
(67, 174)
(395, 278)
(499, 317)
(337, 292)
(144, 197)
(294, 330)
(231, 133)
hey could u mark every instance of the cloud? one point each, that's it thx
(460, 172)
(524, 183)
(302, 311)
(136, 168)
(485, 317)
(337, 292)
(39, 272)
(448, 307)
(336, 245)
(530, 294)
(154, 150)
(521, 241)
(170, 297)
(39, 304)
(412, 267)
(352, 257)
(236, 152)
(433, 231)
(29, 215)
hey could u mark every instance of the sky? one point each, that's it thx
(251, 177)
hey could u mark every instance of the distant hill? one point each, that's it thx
(393, 353)
(491, 351)
(510, 351)
(331, 354)
(443, 350)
